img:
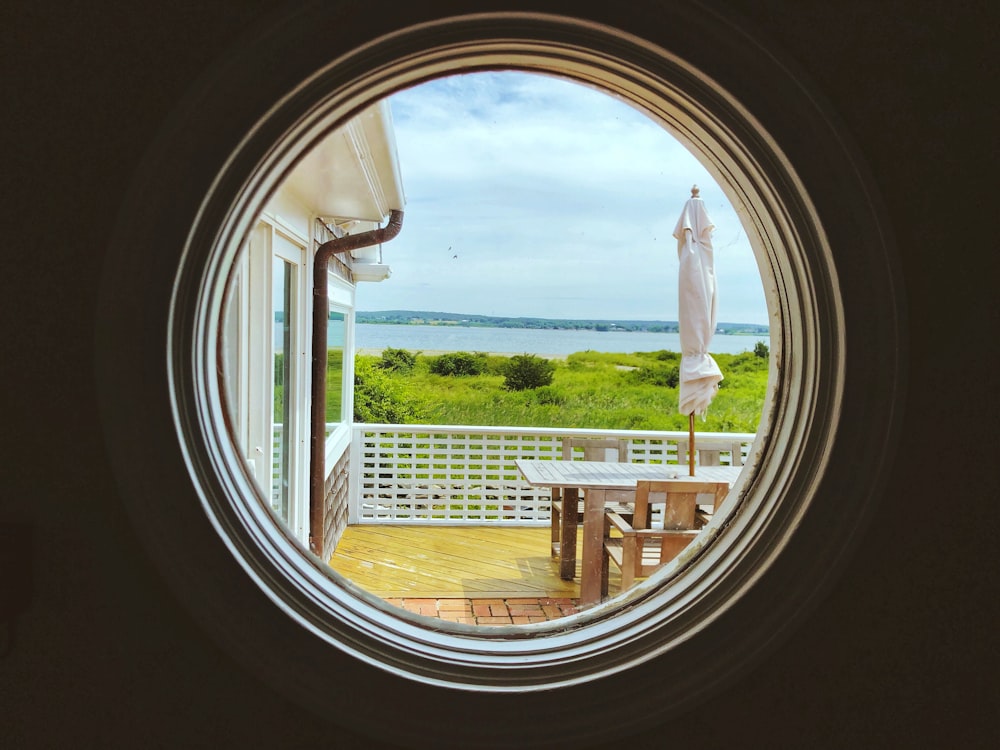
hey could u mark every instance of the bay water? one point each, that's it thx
(372, 337)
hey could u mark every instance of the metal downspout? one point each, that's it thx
(321, 317)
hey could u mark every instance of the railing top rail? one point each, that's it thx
(557, 431)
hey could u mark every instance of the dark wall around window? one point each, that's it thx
(903, 650)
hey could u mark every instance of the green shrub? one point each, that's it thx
(379, 398)
(665, 355)
(397, 360)
(665, 376)
(459, 364)
(760, 350)
(334, 384)
(527, 371)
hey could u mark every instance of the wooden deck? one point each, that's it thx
(475, 562)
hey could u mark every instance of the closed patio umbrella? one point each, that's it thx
(698, 300)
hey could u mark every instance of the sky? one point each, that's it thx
(533, 196)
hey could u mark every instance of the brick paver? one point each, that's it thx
(473, 611)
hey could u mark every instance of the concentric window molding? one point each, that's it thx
(827, 265)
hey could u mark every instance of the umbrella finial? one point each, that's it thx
(694, 191)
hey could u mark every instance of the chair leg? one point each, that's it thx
(567, 535)
(605, 559)
(555, 521)
(605, 572)
(629, 553)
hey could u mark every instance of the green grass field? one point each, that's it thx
(594, 390)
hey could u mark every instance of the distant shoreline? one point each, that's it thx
(376, 352)
(458, 320)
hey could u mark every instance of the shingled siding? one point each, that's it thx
(335, 510)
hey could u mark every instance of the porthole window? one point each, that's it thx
(827, 269)
(557, 204)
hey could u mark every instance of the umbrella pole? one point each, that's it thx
(691, 444)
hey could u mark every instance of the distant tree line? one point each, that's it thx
(413, 317)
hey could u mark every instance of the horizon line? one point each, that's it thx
(425, 313)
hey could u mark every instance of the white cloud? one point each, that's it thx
(558, 200)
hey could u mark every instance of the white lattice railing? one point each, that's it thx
(457, 475)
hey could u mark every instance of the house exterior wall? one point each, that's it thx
(336, 506)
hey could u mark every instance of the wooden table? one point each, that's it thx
(597, 478)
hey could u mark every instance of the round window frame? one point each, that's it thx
(823, 247)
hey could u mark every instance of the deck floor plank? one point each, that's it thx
(392, 561)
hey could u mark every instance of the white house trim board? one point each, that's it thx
(354, 173)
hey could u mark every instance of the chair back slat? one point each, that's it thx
(595, 449)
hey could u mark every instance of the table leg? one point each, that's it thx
(593, 544)
(567, 534)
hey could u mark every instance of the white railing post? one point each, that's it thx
(354, 476)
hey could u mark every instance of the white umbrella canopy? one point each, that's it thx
(698, 300)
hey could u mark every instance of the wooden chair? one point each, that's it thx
(710, 451)
(589, 449)
(640, 549)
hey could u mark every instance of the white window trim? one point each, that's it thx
(342, 295)
(258, 332)
(254, 411)
(342, 299)
(300, 374)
